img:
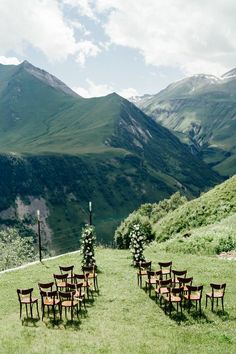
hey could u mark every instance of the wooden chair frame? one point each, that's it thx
(25, 298)
(152, 278)
(165, 268)
(217, 292)
(50, 299)
(142, 271)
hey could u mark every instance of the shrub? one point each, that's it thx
(88, 238)
(15, 250)
(147, 215)
(226, 244)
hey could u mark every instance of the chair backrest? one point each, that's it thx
(43, 286)
(67, 269)
(195, 289)
(77, 287)
(184, 281)
(25, 293)
(147, 265)
(177, 291)
(49, 294)
(67, 295)
(157, 274)
(165, 264)
(165, 283)
(218, 288)
(89, 269)
(60, 278)
(179, 273)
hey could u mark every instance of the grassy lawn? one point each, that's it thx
(122, 318)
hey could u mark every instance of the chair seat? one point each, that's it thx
(68, 303)
(165, 271)
(49, 301)
(142, 272)
(216, 295)
(151, 281)
(192, 297)
(162, 290)
(26, 300)
(61, 284)
(91, 276)
(78, 295)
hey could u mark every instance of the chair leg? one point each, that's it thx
(200, 309)
(212, 304)
(26, 310)
(37, 306)
(20, 309)
(222, 302)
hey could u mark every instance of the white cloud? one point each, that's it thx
(9, 60)
(93, 90)
(86, 49)
(97, 90)
(41, 24)
(129, 92)
(194, 36)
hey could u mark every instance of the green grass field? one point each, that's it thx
(122, 318)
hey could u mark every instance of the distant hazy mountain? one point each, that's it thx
(63, 150)
(200, 110)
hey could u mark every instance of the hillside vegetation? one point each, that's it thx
(122, 318)
(59, 151)
(186, 222)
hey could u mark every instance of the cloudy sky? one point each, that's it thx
(128, 46)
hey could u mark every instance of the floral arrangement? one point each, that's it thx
(137, 241)
(88, 238)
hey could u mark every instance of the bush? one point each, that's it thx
(88, 238)
(226, 245)
(15, 250)
(146, 216)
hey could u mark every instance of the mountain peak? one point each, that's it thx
(230, 74)
(47, 78)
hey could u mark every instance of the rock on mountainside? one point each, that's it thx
(201, 111)
(65, 150)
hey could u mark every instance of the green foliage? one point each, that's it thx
(137, 242)
(88, 238)
(226, 244)
(146, 216)
(15, 250)
(211, 207)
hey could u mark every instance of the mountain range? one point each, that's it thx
(58, 151)
(201, 111)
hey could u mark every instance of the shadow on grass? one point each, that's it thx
(224, 316)
(64, 323)
(30, 322)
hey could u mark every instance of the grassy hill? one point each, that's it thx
(201, 111)
(203, 225)
(59, 150)
(122, 318)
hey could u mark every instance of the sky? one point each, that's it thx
(132, 47)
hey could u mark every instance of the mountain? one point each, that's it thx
(201, 111)
(59, 150)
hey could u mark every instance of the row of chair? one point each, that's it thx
(178, 287)
(69, 292)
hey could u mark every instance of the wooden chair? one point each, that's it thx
(78, 278)
(184, 282)
(217, 292)
(68, 302)
(176, 274)
(162, 288)
(92, 275)
(175, 295)
(68, 270)
(79, 294)
(46, 286)
(152, 278)
(49, 299)
(194, 295)
(142, 270)
(25, 298)
(61, 281)
(165, 268)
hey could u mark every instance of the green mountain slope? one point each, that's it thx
(201, 111)
(60, 150)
